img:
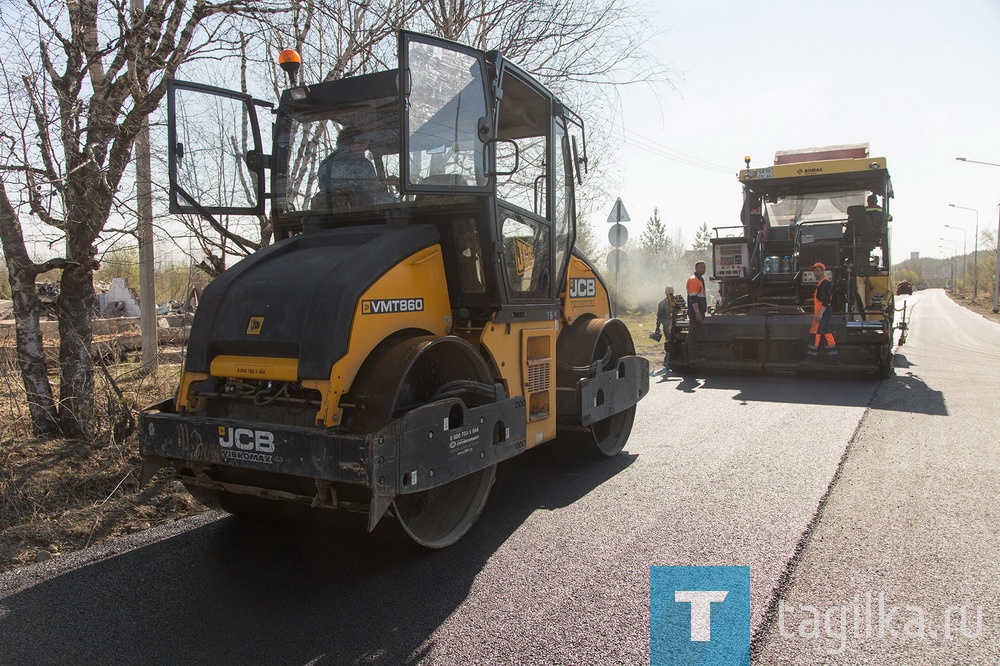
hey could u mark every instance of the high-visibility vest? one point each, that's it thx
(695, 287)
(816, 304)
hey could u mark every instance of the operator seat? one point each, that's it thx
(866, 226)
(336, 199)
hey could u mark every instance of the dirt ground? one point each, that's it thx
(59, 496)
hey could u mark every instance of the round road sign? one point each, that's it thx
(617, 260)
(618, 235)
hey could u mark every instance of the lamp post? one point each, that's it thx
(975, 252)
(954, 251)
(965, 261)
(996, 274)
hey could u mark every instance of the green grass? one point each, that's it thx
(640, 326)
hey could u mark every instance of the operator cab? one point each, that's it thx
(812, 211)
(455, 137)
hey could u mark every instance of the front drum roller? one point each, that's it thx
(584, 349)
(404, 374)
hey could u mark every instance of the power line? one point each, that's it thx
(645, 144)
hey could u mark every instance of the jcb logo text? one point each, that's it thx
(246, 439)
(582, 287)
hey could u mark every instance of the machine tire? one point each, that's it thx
(406, 373)
(597, 342)
(885, 365)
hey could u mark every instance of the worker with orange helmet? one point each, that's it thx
(821, 330)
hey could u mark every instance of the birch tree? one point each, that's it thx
(336, 39)
(577, 47)
(80, 77)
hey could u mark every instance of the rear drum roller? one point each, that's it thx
(596, 345)
(436, 517)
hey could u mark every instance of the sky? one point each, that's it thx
(918, 81)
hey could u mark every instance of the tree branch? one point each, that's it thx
(52, 264)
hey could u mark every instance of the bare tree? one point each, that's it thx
(586, 51)
(336, 39)
(570, 44)
(74, 107)
(562, 42)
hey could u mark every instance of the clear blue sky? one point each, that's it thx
(917, 80)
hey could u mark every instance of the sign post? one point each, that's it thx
(617, 236)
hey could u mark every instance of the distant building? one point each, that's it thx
(914, 256)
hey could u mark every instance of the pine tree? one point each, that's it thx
(654, 238)
(702, 238)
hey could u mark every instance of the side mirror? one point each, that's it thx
(579, 163)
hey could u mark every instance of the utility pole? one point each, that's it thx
(996, 270)
(144, 210)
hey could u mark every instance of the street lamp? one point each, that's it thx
(965, 261)
(954, 251)
(975, 255)
(996, 274)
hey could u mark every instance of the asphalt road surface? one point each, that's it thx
(840, 495)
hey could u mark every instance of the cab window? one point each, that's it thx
(445, 105)
(525, 255)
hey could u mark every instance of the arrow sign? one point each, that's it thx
(618, 212)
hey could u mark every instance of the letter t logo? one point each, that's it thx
(684, 625)
(701, 610)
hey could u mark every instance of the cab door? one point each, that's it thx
(445, 116)
(215, 155)
(525, 202)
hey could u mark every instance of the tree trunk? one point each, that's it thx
(27, 313)
(76, 365)
(31, 354)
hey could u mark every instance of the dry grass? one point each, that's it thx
(57, 496)
(640, 326)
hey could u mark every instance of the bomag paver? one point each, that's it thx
(423, 314)
(813, 207)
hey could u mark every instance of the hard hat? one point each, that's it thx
(819, 265)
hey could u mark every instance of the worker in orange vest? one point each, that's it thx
(821, 330)
(697, 301)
